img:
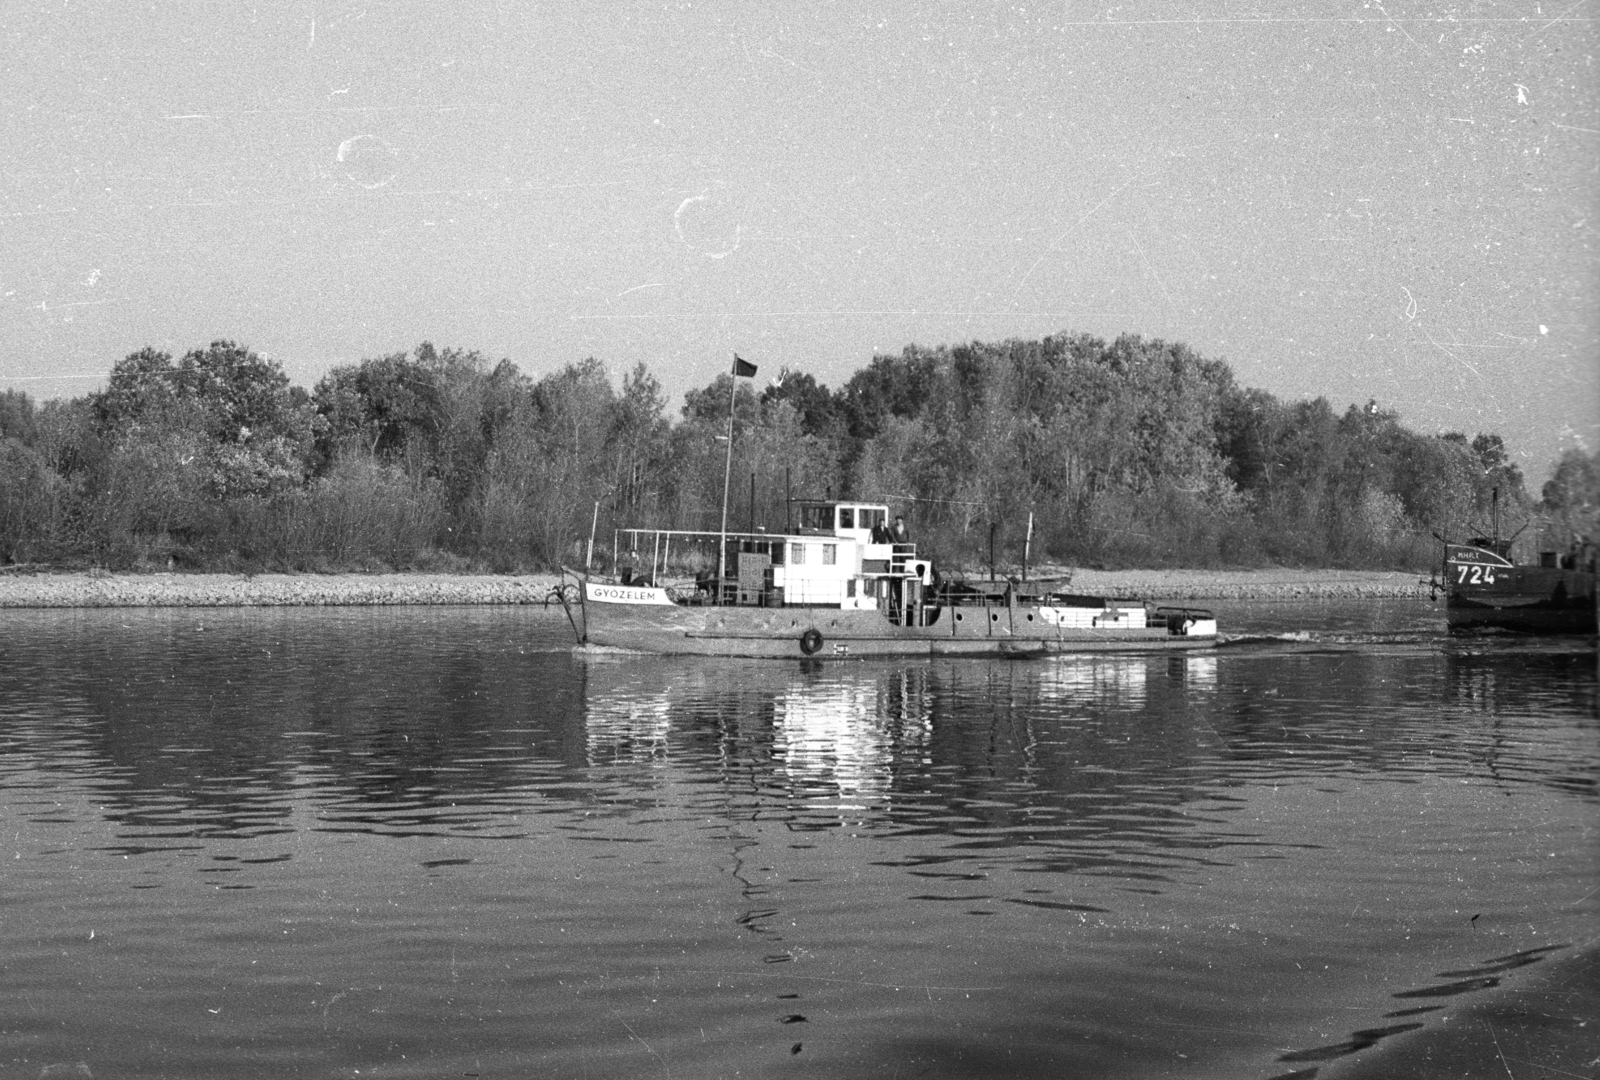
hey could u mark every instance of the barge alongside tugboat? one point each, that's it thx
(839, 586)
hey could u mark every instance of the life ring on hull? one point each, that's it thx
(810, 641)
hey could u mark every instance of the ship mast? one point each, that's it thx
(747, 370)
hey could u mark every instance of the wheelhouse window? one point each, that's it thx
(817, 517)
(872, 519)
(847, 517)
(830, 554)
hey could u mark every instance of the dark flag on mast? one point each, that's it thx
(743, 367)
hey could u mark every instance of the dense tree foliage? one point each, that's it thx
(1133, 451)
(1571, 499)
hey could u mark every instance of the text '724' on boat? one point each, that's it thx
(840, 583)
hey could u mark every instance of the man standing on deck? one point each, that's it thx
(899, 533)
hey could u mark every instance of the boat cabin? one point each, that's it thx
(839, 556)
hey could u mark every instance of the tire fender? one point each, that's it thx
(810, 641)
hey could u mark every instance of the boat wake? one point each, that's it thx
(1315, 640)
(602, 652)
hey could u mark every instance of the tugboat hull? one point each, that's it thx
(650, 620)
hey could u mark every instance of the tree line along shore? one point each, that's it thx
(1068, 449)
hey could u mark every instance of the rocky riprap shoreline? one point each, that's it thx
(93, 590)
(1252, 584)
(100, 589)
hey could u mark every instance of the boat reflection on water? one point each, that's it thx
(866, 729)
(1522, 677)
(624, 722)
(843, 736)
(1200, 672)
(832, 734)
(1075, 678)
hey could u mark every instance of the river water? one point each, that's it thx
(438, 842)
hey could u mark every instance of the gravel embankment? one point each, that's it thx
(52, 590)
(1251, 584)
(269, 590)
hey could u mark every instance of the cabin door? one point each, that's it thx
(901, 601)
(912, 595)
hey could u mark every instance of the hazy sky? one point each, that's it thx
(1358, 200)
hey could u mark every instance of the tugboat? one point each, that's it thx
(1485, 589)
(838, 584)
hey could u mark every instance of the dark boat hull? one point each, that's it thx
(1527, 599)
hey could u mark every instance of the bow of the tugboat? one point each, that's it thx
(571, 595)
